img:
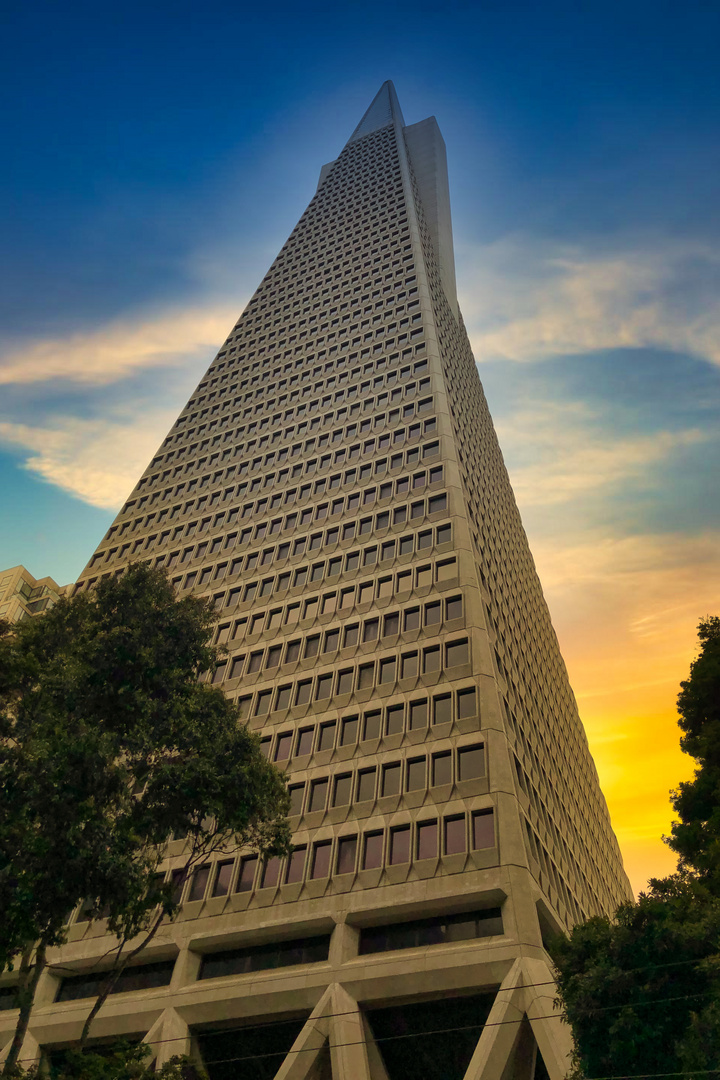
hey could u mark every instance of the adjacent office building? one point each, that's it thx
(336, 485)
(22, 595)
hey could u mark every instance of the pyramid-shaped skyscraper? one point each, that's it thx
(336, 485)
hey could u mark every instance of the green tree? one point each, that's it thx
(641, 991)
(696, 836)
(109, 746)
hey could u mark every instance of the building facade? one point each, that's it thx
(336, 485)
(22, 595)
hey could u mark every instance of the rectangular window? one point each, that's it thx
(318, 795)
(198, 885)
(471, 762)
(395, 720)
(342, 790)
(442, 709)
(366, 785)
(399, 845)
(327, 736)
(223, 877)
(457, 652)
(366, 676)
(442, 769)
(372, 853)
(246, 877)
(296, 866)
(271, 873)
(283, 746)
(302, 694)
(455, 835)
(305, 741)
(349, 731)
(321, 860)
(415, 774)
(296, 798)
(409, 666)
(372, 724)
(483, 829)
(324, 687)
(418, 714)
(391, 779)
(427, 840)
(347, 850)
(387, 670)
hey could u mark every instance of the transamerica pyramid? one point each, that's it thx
(336, 485)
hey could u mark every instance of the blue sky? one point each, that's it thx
(156, 156)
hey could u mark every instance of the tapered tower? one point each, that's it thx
(335, 484)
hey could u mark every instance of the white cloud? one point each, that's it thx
(104, 355)
(98, 461)
(569, 454)
(525, 299)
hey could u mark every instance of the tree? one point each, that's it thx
(641, 991)
(109, 746)
(696, 836)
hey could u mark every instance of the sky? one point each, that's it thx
(157, 156)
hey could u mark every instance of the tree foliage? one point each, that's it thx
(641, 991)
(110, 745)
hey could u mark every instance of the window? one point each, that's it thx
(302, 694)
(483, 830)
(412, 619)
(453, 607)
(431, 659)
(199, 882)
(343, 790)
(273, 656)
(418, 714)
(296, 866)
(345, 681)
(399, 845)
(324, 687)
(349, 731)
(457, 652)
(433, 614)
(292, 652)
(312, 646)
(262, 705)
(442, 709)
(246, 877)
(471, 762)
(372, 853)
(436, 930)
(371, 629)
(415, 774)
(296, 798)
(391, 625)
(223, 878)
(271, 873)
(466, 703)
(391, 778)
(366, 785)
(427, 840)
(347, 850)
(365, 676)
(321, 860)
(305, 741)
(282, 700)
(351, 636)
(442, 769)
(318, 795)
(409, 666)
(332, 641)
(455, 835)
(327, 736)
(387, 670)
(372, 722)
(283, 746)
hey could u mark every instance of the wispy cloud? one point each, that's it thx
(98, 460)
(526, 298)
(106, 354)
(570, 453)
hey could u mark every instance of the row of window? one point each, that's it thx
(311, 424)
(341, 384)
(228, 518)
(366, 785)
(340, 600)
(455, 834)
(364, 676)
(375, 723)
(380, 363)
(366, 391)
(432, 614)
(280, 479)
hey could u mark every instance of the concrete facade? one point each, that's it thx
(336, 485)
(22, 595)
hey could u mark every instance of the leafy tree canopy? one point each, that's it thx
(109, 745)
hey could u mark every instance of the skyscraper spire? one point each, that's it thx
(336, 486)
